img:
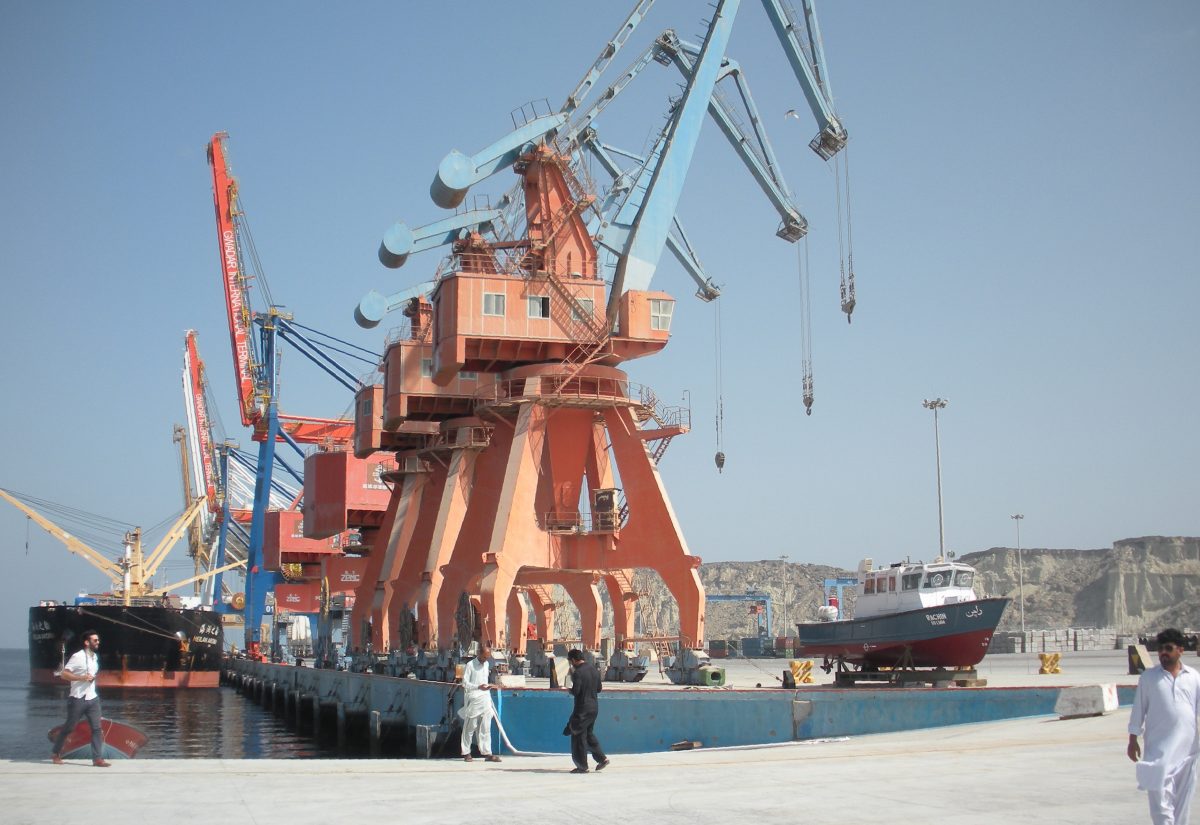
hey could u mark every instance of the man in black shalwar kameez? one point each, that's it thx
(585, 684)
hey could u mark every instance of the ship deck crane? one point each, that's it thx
(131, 573)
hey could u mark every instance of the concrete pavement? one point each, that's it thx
(1028, 770)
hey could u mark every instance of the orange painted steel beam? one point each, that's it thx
(538, 466)
(364, 594)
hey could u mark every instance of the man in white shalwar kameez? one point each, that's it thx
(477, 709)
(1165, 710)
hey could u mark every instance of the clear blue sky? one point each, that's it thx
(1025, 201)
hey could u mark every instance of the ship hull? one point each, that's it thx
(949, 636)
(140, 646)
(121, 741)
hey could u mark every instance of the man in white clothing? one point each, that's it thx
(80, 671)
(1166, 709)
(477, 709)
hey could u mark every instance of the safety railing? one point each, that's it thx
(568, 523)
(564, 389)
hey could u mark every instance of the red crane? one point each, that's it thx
(198, 411)
(253, 390)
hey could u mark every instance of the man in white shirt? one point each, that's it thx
(477, 709)
(1166, 709)
(80, 671)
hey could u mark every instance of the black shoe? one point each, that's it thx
(580, 770)
(602, 765)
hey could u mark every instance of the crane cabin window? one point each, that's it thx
(539, 306)
(588, 307)
(493, 303)
(467, 375)
(427, 368)
(660, 314)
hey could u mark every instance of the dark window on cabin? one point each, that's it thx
(940, 578)
(963, 578)
(869, 586)
(891, 584)
(912, 581)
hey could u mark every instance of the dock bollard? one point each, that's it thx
(1050, 662)
(340, 716)
(375, 733)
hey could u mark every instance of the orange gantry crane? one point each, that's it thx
(514, 353)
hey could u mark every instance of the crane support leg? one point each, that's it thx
(446, 524)
(544, 609)
(653, 537)
(393, 589)
(518, 622)
(370, 598)
(495, 586)
(624, 602)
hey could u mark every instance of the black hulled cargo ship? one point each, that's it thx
(149, 638)
(144, 644)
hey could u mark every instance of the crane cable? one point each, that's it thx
(720, 409)
(802, 267)
(846, 251)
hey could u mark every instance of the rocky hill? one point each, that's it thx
(1138, 585)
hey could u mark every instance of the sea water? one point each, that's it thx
(215, 723)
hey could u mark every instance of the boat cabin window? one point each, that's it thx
(911, 581)
(869, 586)
(891, 584)
(963, 578)
(937, 578)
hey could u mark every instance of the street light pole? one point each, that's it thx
(1020, 575)
(935, 405)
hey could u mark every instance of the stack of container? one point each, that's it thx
(752, 646)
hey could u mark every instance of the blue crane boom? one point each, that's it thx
(637, 218)
(606, 55)
(649, 227)
(810, 71)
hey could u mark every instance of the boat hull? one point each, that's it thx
(121, 741)
(140, 646)
(949, 636)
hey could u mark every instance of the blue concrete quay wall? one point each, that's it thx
(640, 721)
(407, 701)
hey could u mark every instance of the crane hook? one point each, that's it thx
(720, 459)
